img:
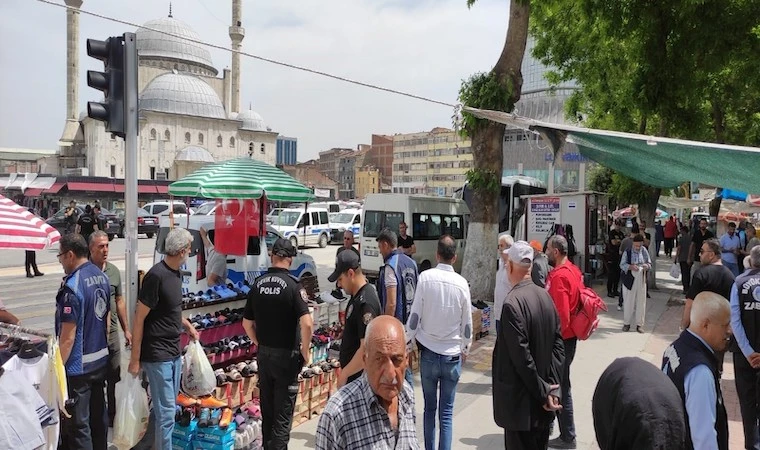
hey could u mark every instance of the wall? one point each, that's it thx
(367, 181)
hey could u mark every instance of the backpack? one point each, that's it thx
(585, 320)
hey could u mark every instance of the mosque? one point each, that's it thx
(188, 114)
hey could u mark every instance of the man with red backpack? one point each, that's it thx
(564, 283)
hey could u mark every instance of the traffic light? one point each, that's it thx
(110, 82)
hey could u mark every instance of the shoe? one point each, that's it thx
(610, 295)
(626, 328)
(29, 275)
(186, 417)
(639, 330)
(648, 296)
(186, 401)
(38, 274)
(559, 443)
(210, 401)
(204, 420)
(226, 418)
(620, 308)
(216, 416)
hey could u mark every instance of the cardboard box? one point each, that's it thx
(202, 445)
(477, 323)
(185, 434)
(182, 445)
(217, 435)
(250, 388)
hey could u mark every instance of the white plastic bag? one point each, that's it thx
(198, 377)
(131, 413)
(675, 270)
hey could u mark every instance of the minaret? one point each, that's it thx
(237, 33)
(72, 69)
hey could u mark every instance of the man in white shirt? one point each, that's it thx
(502, 287)
(216, 263)
(441, 323)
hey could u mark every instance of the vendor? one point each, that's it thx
(216, 265)
(6, 316)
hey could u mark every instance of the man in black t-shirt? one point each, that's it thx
(405, 242)
(275, 311)
(712, 277)
(700, 235)
(87, 224)
(362, 308)
(70, 217)
(157, 325)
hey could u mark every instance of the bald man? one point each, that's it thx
(376, 410)
(691, 363)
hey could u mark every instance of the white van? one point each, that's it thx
(161, 208)
(427, 219)
(304, 227)
(329, 206)
(238, 268)
(348, 219)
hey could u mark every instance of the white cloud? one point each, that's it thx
(423, 47)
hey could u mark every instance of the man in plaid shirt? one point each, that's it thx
(375, 411)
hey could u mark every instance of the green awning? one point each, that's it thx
(656, 161)
(241, 179)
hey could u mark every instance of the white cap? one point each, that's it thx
(520, 251)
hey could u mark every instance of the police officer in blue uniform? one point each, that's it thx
(81, 323)
(277, 319)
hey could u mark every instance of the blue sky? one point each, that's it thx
(422, 47)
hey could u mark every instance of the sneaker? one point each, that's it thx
(626, 328)
(205, 418)
(559, 443)
(620, 308)
(639, 330)
(216, 417)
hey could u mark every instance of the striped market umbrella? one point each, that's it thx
(23, 230)
(241, 179)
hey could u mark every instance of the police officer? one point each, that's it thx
(745, 323)
(275, 310)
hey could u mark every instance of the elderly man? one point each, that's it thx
(502, 287)
(527, 358)
(99, 257)
(348, 243)
(745, 323)
(634, 264)
(691, 363)
(441, 324)
(81, 324)
(157, 325)
(376, 411)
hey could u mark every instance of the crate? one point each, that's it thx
(318, 404)
(320, 314)
(333, 381)
(477, 323)
(333, 312)
(249, 388)
(301, 410)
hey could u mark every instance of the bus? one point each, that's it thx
(511, 206)
(427, 218)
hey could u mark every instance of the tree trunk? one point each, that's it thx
(647, 213)
(479, 265)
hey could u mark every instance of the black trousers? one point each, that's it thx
(669, 244)
(613, 277)
(113, 376)
(535, 439)
(565, 415)
(87, 429)
(685, 276)
(278, 385)
(747, 379)
(31, 262)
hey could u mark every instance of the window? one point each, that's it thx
(232, 142)
(433, 226)
(200, 138)
(158, 209)
(152, 134)
(219, 141)
(152, 173)
(315, 218)
(375, 221)
(187, 138)
(167, 135)
(323, 218)
(304, 222)
(166, 171)
(263, 148)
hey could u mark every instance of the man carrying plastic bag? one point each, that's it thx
(132, 413)
(156, 330)
(198, 377)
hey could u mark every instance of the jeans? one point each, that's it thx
(733, 267)
(278, 384)
(565, 415)
(409, 377)
(438, 370)
(163, 383)
(87, 429)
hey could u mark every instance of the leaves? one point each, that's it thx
(484, 91)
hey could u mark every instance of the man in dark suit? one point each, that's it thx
(527, 358)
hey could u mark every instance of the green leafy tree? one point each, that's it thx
(498, 89)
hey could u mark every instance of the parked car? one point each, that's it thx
(146, 223)
(161, 208)
(112, 226)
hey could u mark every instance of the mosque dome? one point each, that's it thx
(175, 47)
(178, 93)
(252, 121)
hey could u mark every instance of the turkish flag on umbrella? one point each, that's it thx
(234, 222)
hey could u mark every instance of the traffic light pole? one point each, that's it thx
(130, 172)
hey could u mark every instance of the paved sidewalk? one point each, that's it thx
(473, 412)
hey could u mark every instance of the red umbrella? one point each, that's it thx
(21, 229)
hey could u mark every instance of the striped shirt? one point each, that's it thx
(354, 419)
